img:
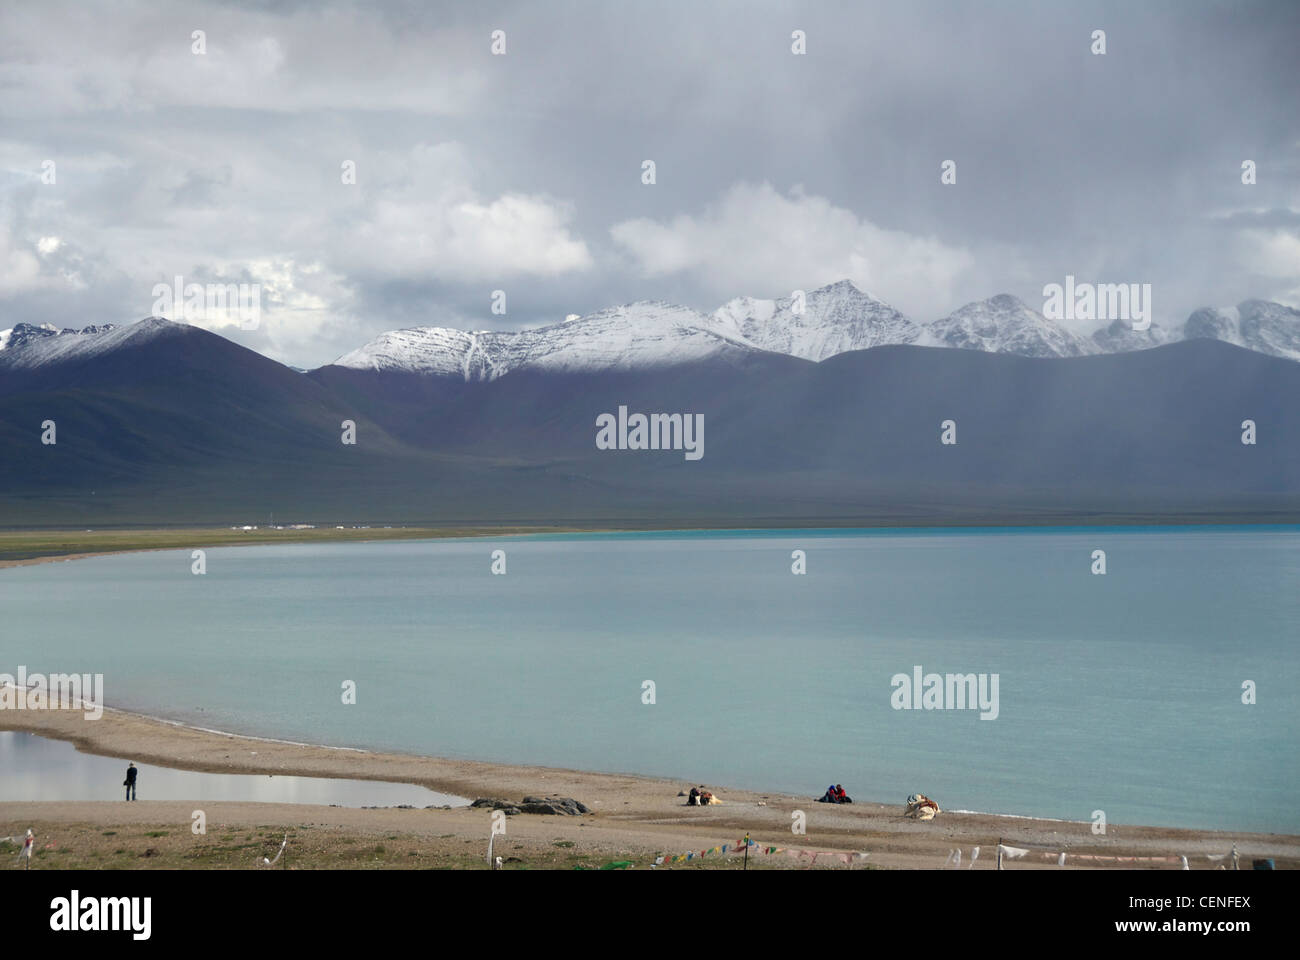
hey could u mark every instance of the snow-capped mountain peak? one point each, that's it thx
(829, 320)
(28, 346)
(441, 351)
(1258, 325)
(1004, 324)
(635, 335)
(826, 321)
(832, 319)
(1120, 337)
(648, 333)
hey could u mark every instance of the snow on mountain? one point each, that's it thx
(28, 347)
(24, 333)
(1270, 328)
(1258, 325)
(733, 315)
(1003, 324)
(435, 350)
(1214, 323)
(1120, 337)
(835, 319)
(644, 334)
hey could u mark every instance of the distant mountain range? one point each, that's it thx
(829, 415)
(834, 319)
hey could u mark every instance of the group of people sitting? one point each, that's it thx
(835, 794)
(920, 807)
(699, 797)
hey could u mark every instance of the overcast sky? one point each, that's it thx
(523, 172)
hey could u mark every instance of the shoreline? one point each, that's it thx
(156, 539)
(631, 815)
(87, 744)
(44, 545)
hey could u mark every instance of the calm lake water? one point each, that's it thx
(1120, 693)
(39, 769)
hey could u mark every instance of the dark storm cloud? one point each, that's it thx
(523, 172)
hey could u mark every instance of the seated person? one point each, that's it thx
(829, 796)
(839, 795)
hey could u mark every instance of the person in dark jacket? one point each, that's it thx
(129, 782)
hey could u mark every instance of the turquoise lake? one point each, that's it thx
(1121, 692)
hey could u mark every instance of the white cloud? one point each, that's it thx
(20, 270)
(1274, 254)
(755, 239)
(471, 239)
(428, 219)
(301, 306)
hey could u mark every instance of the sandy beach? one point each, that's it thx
(22, 548)
(632, 817)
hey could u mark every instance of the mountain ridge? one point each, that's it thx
(649, 334)
(193, 428)
(834, 319)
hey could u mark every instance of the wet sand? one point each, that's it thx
(22, 548)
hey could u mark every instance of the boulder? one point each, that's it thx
(549, 806)
(541, 807)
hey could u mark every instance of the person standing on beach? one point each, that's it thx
(129, 782)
